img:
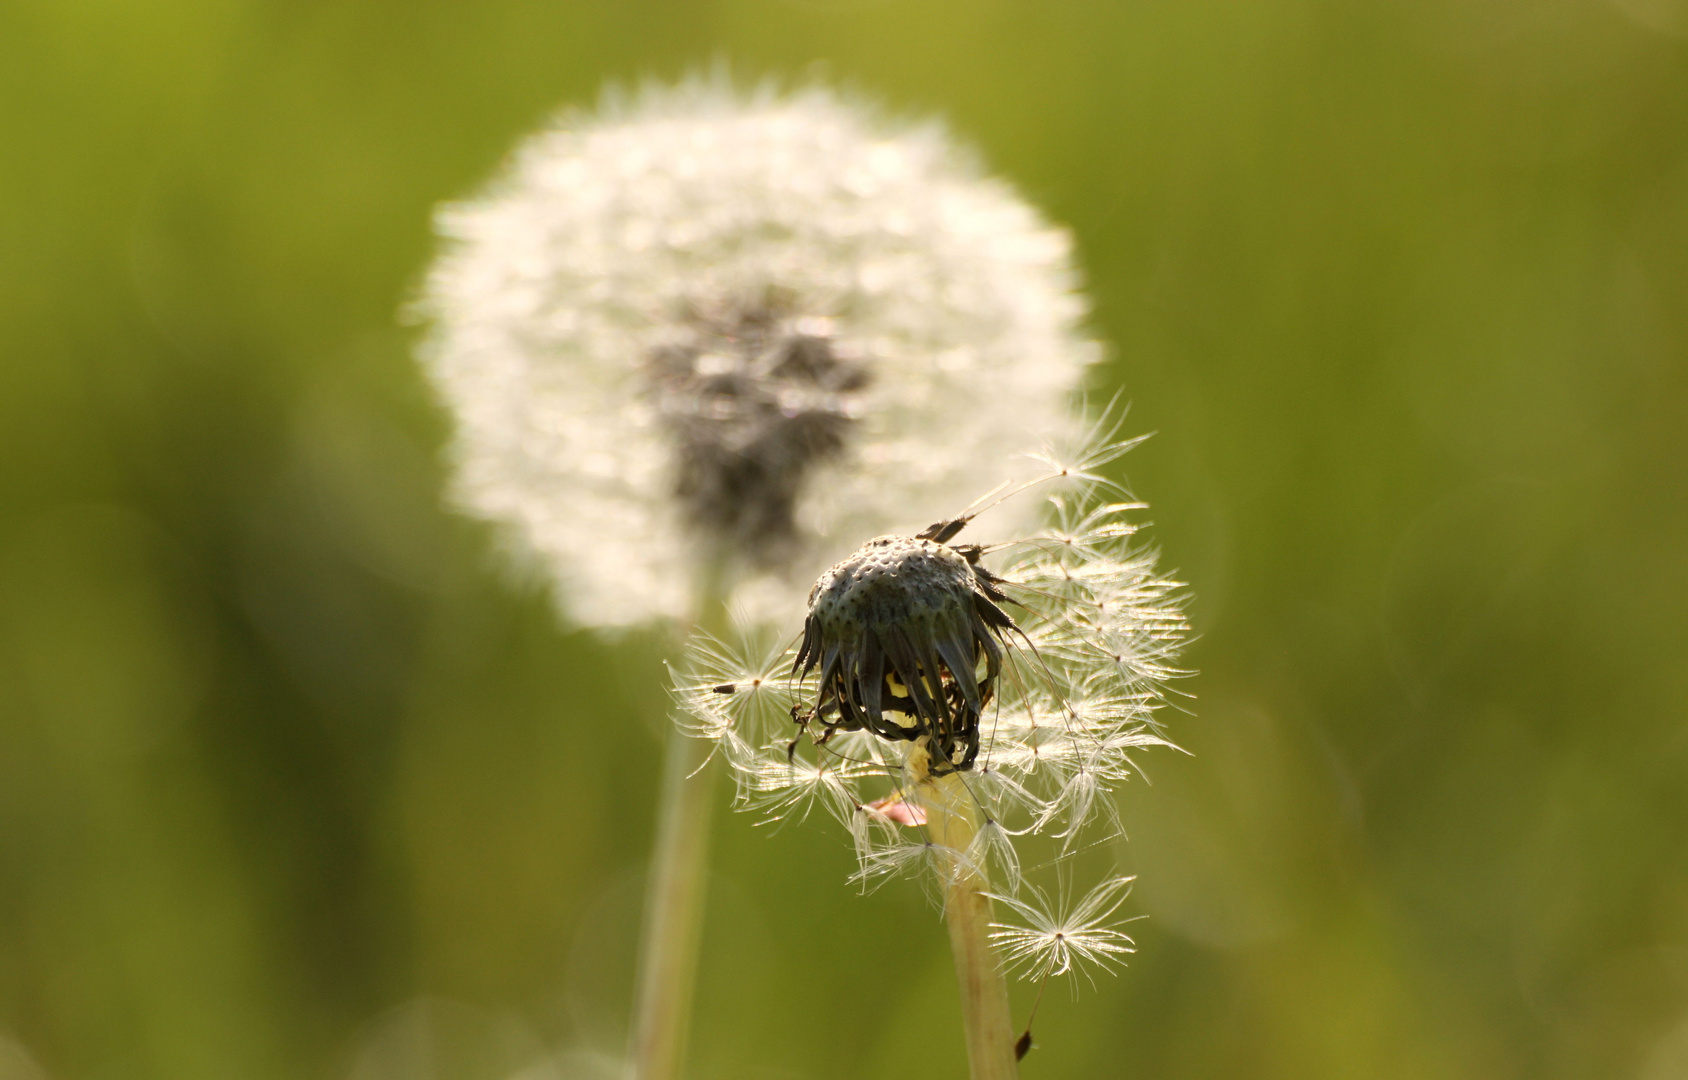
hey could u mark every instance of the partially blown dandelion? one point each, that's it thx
(950, 702)
(696, 341)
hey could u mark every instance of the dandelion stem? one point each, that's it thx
(953, 821)
(673, 921)
(673, 913)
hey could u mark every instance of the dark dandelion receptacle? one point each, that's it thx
(899, 631)
(754, 399)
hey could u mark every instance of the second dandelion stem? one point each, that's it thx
(953, 820)
(673, 914)
(673, 921)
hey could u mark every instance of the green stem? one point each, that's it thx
(668, 950)
(952, 820)
(673, 913)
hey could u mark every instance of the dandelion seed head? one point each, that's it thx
(700, 321)
(1027, 670)
(900, 629)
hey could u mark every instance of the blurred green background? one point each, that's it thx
(295, 783)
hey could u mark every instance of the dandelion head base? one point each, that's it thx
(899, 632)
(752, 398)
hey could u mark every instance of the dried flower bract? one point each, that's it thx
(901, 628)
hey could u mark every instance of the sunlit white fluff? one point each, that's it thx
(1082, 680)
(1067, 938)
(664, 224)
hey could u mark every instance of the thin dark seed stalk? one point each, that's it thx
(1023, 1044)
(674, 900)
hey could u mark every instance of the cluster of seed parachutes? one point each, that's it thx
(1033, 667)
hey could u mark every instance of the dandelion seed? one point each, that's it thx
(874, 828)
(934, 864)
(993, 847)
(1068, 939)
(799, 786)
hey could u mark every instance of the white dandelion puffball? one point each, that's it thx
(701, 324)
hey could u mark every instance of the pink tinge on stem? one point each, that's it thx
(897, 809)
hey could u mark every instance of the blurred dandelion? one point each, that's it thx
(700, 326)
(953, 702)
(698, 340)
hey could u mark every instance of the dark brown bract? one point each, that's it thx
(899, 631)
